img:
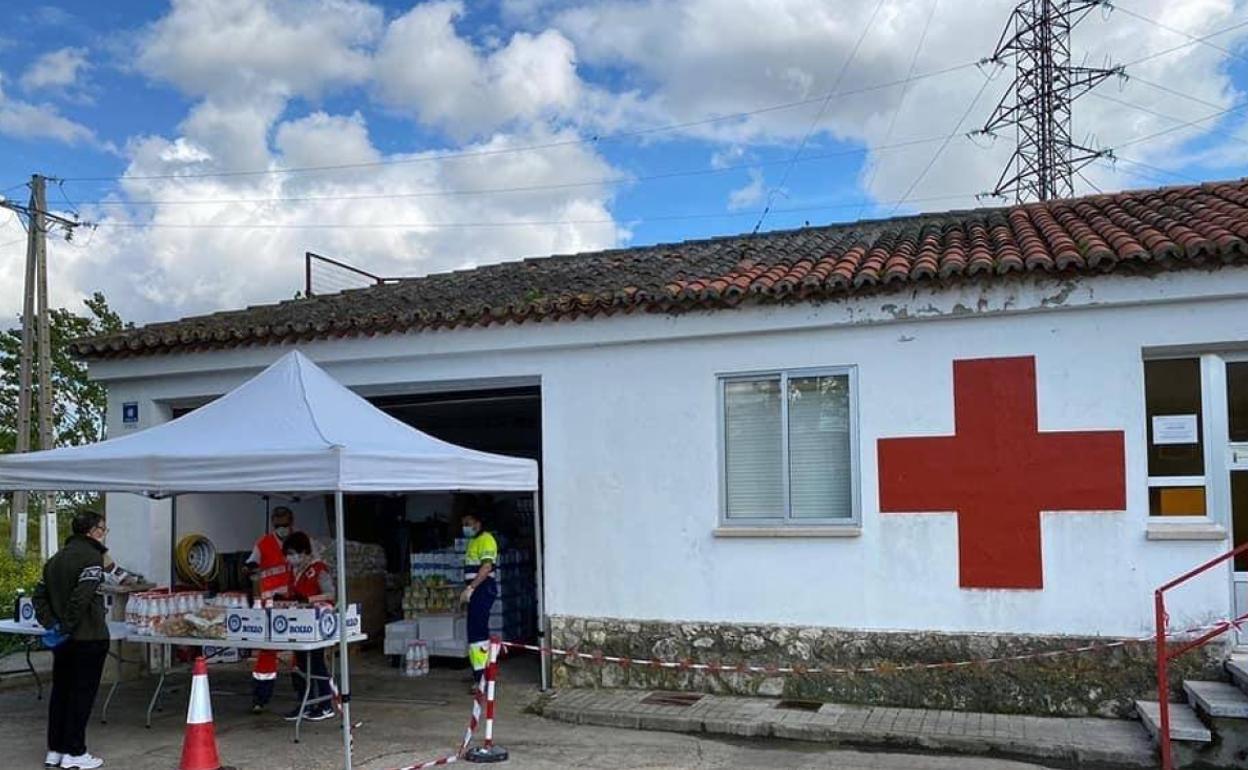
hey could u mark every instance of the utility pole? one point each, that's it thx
(1045, 160)
(18, 516)
(36, 344)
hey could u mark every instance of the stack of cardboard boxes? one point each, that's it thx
(289, 624)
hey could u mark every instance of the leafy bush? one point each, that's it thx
(16, 574)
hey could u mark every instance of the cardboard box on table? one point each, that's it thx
(311, 624)
(26, 612)
(247, 625)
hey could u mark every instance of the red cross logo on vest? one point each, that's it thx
(999, 471)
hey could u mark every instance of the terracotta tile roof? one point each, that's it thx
(1168, 228)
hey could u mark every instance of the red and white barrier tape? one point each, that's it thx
(485, 692)
(715, 667)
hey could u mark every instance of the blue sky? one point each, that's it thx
(470, 132)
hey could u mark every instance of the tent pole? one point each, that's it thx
(340, 537)
(173, 542)
(541, 589)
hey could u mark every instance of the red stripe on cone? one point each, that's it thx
(199, 747)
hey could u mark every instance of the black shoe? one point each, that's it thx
(293, 715)
(258, 708)
(319, 715)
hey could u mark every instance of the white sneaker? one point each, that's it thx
(53, 759)
(83, 762)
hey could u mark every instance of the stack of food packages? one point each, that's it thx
(515, 611)
(437, 580)
(431, 595)
(362, 558)
(184, 614)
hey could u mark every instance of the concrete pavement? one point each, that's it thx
(405, 721)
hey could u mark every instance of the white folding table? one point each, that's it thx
(30, 638)
(294, 647)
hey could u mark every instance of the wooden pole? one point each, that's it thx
(47, 437)
(19, 517)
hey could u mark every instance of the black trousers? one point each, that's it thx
(76, 670)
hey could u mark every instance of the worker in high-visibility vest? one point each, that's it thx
(267, 562)
(480, 575)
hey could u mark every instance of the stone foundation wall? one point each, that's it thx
(1101, 683)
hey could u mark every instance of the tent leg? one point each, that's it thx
(173, 542)
(340, 533)
(541, 590)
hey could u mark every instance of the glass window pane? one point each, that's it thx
(820, 465)
(1176, 501)
(1172, 388)
(753, 449)
(1237, 399)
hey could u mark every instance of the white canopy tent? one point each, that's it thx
(290, 429)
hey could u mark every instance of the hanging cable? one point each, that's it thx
(823, 108)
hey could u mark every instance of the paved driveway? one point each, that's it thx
(405, 721)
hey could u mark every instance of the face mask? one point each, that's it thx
(295, 560)
(470, 531)
(282, 532)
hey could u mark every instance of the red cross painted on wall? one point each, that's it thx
(999, 471)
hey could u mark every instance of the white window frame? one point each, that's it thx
(854, 520)
(1213, 430)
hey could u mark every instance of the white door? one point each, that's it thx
(1237, 463)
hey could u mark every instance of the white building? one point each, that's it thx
(681, 489)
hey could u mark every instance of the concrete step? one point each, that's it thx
(1237, 667)
(1217, 699)
(1185, 724)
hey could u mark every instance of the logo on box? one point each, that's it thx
(329, 625)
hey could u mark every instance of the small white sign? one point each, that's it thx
(1175, 429)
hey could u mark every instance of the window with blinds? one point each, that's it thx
(788, 448)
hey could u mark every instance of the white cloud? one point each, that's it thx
(424, 68)
(696, 58)
(287, 47)
(402, 218)
(251, 68)
(25, 120)
(750, 195)
(58, 70)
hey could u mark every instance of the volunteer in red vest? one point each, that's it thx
(267, 562)
(314, 584)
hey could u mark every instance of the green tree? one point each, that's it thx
(78, 403)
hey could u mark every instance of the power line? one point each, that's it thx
(595, 139)
(1193, 38)
(940, 150)
(516, 189)
(1188, 44)
(504, 223)
(1174, 92)
(1155, 113)
(1166, 171)
(905, 91)
(1186, 124)
(823, 108)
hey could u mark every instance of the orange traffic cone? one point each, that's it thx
(199, 748)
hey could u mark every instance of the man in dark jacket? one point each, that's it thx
(68, 600)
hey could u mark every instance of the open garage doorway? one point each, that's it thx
(421, 532)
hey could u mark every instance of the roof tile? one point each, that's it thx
(1171, 228)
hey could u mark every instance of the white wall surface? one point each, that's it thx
(630, 458)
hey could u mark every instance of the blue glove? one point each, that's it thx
(54, 637)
